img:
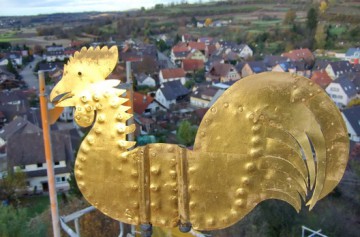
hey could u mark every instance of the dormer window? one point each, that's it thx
(39, 165)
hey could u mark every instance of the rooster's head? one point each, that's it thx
(85, 68)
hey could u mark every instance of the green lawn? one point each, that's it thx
(337, 30)
(35, 204)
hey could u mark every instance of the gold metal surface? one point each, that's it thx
(269, 136)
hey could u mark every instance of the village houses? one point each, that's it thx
(172, 74)
(341, 91)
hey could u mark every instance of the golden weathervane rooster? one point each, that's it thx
(269, 136)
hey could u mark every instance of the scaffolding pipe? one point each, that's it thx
(67, 229)
(77, 226)
(313, 232)
(121, 234)
(48, 156)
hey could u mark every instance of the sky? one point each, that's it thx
(35, 7)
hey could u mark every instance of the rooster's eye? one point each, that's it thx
(79, 73)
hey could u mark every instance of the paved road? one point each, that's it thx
(28, 75)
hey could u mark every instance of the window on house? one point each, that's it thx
(22, 167)
(58, 179)
(57, 163)
(39, 165)
(63, 179)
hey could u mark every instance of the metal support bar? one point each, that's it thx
(77, 226)
(77, 214)
(313, 232)
(121, 229)
(67, 229)
(74, 217)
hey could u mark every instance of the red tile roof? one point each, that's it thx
(178, 49)
(299, 55)
(192, 64)
(173, 73)
(321, 78)
(141, 102)
(197, 45)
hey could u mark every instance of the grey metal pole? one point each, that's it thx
(77, 226)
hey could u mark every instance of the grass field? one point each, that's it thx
(9, 36)
(338, 30)
(35, 205)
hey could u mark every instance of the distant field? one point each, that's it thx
(9, 39)
(8, 36)
(29, 37)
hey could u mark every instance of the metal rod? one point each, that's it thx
(67, 229)
(77, 226)
(48, 156)
(77, 214)
(313, 232)
(121, 229)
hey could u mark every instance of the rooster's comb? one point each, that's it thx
(103, 59)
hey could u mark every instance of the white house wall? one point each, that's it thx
(67, 114)
(61, 182)
(246, 52)
(199, 102)
(337, 94)
(162, 100)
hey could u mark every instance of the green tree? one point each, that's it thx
(12, 186)
(312, 19)
(161, 45)
(159, 6)
(186, 133)
(5, 45)
(12, 221)
(199, 75)
(290, 17)
(10, 67)
(194, 21)
(189, 83)
(177, 39)
(320, 36)
(74, 189)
